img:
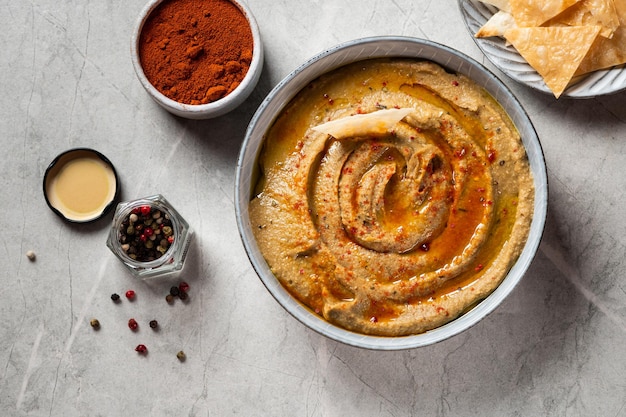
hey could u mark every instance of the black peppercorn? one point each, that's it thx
(183, 296)
(115, 297)
(174, 291)
(154, 324)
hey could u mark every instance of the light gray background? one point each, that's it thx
(555, 347)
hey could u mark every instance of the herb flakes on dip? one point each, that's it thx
(394, 196)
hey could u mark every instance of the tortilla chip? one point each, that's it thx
(605, 53)
(496, 25)
(620, 7)
(380, 121)
(529, 13)
(554, 52)
(589, 13)
(500, 4)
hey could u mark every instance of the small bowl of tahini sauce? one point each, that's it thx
(80, 185)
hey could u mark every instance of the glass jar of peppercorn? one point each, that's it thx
(149, 236)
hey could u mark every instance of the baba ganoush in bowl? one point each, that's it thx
(390, 192)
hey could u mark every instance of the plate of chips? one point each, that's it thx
(567, 48)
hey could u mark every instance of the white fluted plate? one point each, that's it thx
(510, 62)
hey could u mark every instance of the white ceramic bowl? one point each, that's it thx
(378, 47)
(213, 109)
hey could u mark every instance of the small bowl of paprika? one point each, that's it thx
(197, 59)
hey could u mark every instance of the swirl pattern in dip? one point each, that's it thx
(393, 196)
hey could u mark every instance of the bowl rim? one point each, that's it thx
(215, 108)
(376, 47)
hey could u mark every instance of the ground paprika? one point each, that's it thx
(196, 51)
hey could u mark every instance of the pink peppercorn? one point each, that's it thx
(132, 324)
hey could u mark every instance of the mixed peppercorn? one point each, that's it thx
(146, 233)
(179, 291)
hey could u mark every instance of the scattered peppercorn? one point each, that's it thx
(183, 296)
(174, 291)
(115, 297)
(130, 294)
(154, 324)
(183, 286)
(146, 233)
(31, 255)
(94, 323)
(132, 324)
(169, 298)
(141, 349)
(181, 356)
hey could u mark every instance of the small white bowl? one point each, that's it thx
(358, 50)
(209, 110)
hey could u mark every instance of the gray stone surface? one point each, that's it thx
(555, 347)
